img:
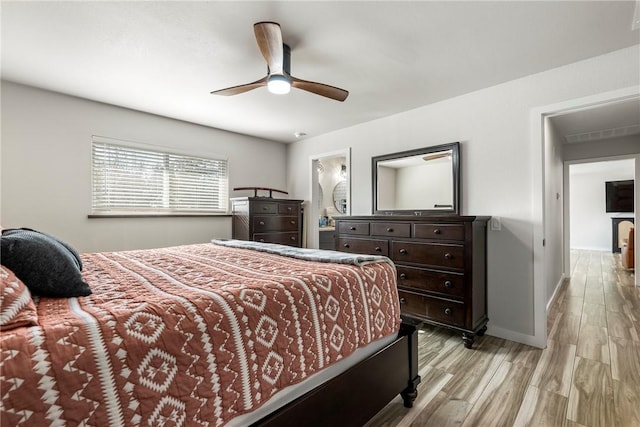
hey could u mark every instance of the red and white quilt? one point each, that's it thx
(189, 336)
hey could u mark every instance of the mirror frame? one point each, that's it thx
(455, 163)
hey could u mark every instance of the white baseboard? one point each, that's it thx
(590, 248)
(518, 337)
(555, 292)
(539, 340)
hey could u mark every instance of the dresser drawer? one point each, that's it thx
(437, 254)
(348, 227)
(264, 207)
(266, 219)
(439, 231)
(363, 246)
(390, 229)
(447, 284)
(263, 223)
(288, 208)
(440, 262)
(290, 239)
(422, 306)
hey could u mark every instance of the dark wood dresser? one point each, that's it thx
(441, 264)
(267, 220)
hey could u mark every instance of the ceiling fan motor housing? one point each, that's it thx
(286, 61)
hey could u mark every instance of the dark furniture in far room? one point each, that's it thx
(267, 220)
(441, 264)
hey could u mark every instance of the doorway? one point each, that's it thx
(550, 232)
(589, 216)
(330, 196)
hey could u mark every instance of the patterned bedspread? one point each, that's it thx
(188, 336)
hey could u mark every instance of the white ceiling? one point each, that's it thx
(165, 57)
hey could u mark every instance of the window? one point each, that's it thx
(133, 180)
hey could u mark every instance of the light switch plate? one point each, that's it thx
(495, 224)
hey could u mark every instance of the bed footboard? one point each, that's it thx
(356, 395)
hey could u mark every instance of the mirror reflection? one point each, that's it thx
(417, 182)
(340, 196)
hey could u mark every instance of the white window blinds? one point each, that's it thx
(134, 180)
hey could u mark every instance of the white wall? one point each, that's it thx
(387, 185)
(45, 176)
(493, 126)
(410, 181)
(590, 225)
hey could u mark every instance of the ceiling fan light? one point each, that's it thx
(278, 84)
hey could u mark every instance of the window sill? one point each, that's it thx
(157, 215)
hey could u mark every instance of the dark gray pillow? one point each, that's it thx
(48, 266)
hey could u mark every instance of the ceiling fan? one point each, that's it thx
(279, 79)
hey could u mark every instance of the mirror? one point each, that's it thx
(340, 196)
(425, 181)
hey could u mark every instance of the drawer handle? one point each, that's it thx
(378, 249)
(448, 311)
(448, 256)
(403, 300)
(403, 276)
(389, 230)
(436, 231)
(261, 240)
(403, 251)
(293, 238)
(289, 208)
(265, 208)
(261, 222)
(346, 245)
(448, 284)
(352, 228)
(293, 221)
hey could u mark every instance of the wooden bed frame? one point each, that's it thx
(355, 396)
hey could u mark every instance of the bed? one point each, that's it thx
(222, 333)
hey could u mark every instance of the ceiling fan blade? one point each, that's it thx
(320, 89)
(235, 90)
(436, 156)
(269, 38)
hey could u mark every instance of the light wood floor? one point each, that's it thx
(589, 374)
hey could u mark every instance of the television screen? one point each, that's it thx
(619, 196)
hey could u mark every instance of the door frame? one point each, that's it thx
(312, 223)
(538, 118)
